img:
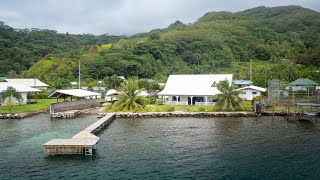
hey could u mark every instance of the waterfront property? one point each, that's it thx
(34, 83)
(197, 89)
(84, 100)
(22, 89)
(250, 92)
(83, 142)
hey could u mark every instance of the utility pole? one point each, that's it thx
(265, 78)
(251, 70)
(79, 76)
(35, 86)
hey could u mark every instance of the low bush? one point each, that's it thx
(170, 109)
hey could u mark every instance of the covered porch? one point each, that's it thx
(189, 100)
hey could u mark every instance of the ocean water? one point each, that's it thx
(165, 148)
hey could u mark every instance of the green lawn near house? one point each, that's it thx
(245, 106)
(42, 104)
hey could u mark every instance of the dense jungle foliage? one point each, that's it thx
(283, 42)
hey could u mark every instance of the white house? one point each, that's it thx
(34, 83)
(250, 92)
(197, 89)
(22, 89)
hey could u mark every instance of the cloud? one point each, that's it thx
(120, 17)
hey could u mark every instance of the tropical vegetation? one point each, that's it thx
(283, 42)
(10, 95)
(129, 99)
(229, 98)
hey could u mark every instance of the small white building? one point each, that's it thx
(111, 95)
(33, 83)
(250, 92)
(197, 89)
(78, 93)
(22, 89)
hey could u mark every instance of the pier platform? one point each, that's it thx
(83, 142)
(65, 114)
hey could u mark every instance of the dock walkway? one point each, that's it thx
(84, 141)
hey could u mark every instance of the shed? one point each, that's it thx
(302, 84)
(111, 95)
(250, 92)
(78, 93)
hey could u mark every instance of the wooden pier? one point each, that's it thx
(83, 142)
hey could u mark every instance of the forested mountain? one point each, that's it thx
(21, 48)
(283, 42)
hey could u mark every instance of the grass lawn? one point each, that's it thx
(246, 106)
(42, 104)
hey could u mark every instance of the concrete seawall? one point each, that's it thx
(180, 114)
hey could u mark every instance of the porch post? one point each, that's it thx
(191, 97)
(206, 100)
(177, 100)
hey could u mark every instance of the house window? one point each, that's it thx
(254, 92)
(214, 84)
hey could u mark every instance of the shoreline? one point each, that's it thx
(99, 112)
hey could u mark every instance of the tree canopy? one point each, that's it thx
(283, 42)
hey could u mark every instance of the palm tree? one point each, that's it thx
(11, 94)
(228, 99)
(129, 99)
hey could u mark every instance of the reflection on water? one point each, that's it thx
(166, 148)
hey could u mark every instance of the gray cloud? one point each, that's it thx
(121, 17)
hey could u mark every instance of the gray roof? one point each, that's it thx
(28, 82)
(19, 87)
(74, 92)
(194, 84)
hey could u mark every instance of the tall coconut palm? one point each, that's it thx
(228, 99)
(11, 94)
(129, 99)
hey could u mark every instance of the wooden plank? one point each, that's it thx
(76, 144)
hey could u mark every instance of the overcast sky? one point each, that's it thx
(121, 17)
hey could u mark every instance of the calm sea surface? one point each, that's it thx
(165, 148)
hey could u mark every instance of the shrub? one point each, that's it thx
(159, 102)
(202, 109)
(170, 109)
(151, 100)
(215, 108)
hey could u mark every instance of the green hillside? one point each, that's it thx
(283, 42)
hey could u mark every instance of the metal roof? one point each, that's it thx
(194, 85)
(28, 82)
(303, 82)
(253, 87)
(19, 87)
(74, 92)
(242, 82)
(112, 92)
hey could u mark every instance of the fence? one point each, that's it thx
(74, 105)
